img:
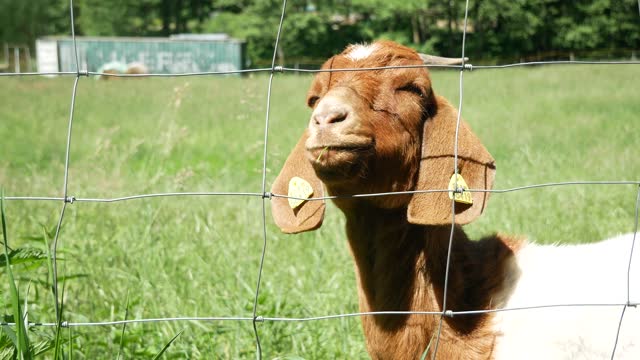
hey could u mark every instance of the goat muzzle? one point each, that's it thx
(339, 144)
(340, 163)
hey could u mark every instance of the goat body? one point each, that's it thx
(585, 274)
(387, 131)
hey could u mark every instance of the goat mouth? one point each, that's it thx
(339, 162)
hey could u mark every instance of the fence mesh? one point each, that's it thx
(67, 199)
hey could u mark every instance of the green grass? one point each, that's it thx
(199, 256)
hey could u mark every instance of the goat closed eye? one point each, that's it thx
(312, 100)
(411, 88)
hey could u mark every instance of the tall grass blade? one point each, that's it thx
(58, 339)
(158, 355)
(426, 351)
(70, 345)
(24, 351)
(45, 237)
(25, 312)
(124, 327)
(50, 283)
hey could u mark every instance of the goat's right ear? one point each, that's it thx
(308, 215)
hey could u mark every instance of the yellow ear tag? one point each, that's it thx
(465, 196)
(299, 188)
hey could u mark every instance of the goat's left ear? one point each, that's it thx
(475, 165)
(309, 214)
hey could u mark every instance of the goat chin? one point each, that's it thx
(587, 276)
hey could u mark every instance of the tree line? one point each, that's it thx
(315, 29)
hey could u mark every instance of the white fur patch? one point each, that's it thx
(576, 274)
(359, 52)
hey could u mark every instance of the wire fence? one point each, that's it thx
(67, 199)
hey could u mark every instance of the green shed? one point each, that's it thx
(184, 53)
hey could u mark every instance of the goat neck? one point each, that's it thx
(401, 267)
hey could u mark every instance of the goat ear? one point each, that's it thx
(308, 215)
(475, 165)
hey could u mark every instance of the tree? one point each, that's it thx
(504, 29)
(25, 21)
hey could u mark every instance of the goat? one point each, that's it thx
(387, 131)
(117, 67)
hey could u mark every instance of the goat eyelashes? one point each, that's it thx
(399, 242)
(411, 88)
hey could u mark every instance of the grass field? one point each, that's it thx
(199, 256)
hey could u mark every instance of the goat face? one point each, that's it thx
(381, 131)
(366, 126)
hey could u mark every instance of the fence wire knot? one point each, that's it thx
(448, 313)
(278, 68)
(70, 199)
(64, 324)
(467, 67)
(258, 319)
(267, 195)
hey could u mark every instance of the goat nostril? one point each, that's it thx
(338, 117)
(330, 118)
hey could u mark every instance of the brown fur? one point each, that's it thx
(400, 266)
(382, 131)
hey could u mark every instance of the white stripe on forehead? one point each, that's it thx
(359, 52)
